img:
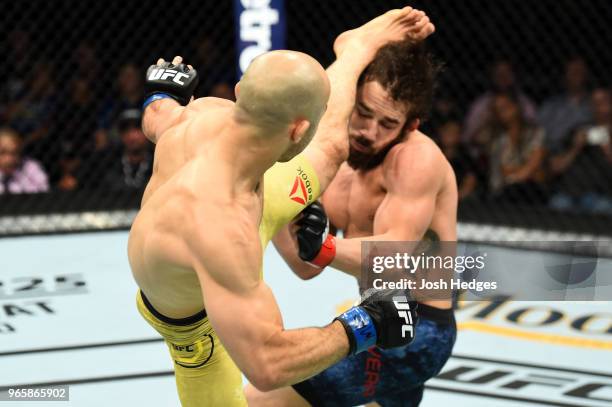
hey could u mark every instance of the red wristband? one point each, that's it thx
(327, 253)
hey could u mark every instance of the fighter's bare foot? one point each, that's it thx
(394, 25)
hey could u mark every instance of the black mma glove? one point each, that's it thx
(170, 81)
(316, 245)
(385, 318)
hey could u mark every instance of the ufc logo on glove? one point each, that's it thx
(163, 74)
(401, 303)
(170, 80)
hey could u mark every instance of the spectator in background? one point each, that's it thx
(224, 91)
(444, 105)
(129, 95)
(78, 117)
(584, 167)
(14, 73)
(448, 135)
(70, 168)
(214, 64)
(86, 65)
(563, 114)
(502, 80)
(73, 138)
(130, 165)
(31, 113)
(18, 174)
(515, 152)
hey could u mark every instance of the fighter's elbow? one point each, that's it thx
(307, 273)
(265, 379)
(304, 276)
(267, 369)
(304, 270)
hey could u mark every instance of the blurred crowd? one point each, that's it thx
(64, 129)
(506, 147)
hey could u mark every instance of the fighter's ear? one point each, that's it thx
(237, 90)
(299, 129)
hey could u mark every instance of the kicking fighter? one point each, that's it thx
(395, 186)
(205, 192)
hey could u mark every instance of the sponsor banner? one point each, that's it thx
(533, 329)
(260, 27)
(545, 384)
(435, 270)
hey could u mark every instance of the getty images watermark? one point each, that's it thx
(438, 270)
(409, 263)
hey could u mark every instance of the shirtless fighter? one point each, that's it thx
(395, 186)
(195, 249)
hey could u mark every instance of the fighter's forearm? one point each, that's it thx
(302, 269)
(287, 248)
(297, 354)
(348, 254)
(348, 251)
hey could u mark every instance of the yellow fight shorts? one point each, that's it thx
(205, 374)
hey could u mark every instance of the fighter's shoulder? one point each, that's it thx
(208, 103)
(207, 114)
(418, 153)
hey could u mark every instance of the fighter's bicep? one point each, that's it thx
(408, 208)
(403, 219)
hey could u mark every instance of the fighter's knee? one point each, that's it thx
(283, 397)
(252, 394)
(256, 397)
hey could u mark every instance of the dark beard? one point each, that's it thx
(361, 161)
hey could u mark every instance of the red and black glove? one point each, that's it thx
(316, 245)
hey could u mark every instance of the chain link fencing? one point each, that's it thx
(522, 109)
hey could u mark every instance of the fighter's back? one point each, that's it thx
(185, 168)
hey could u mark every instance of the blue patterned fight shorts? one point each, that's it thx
(392, 377)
